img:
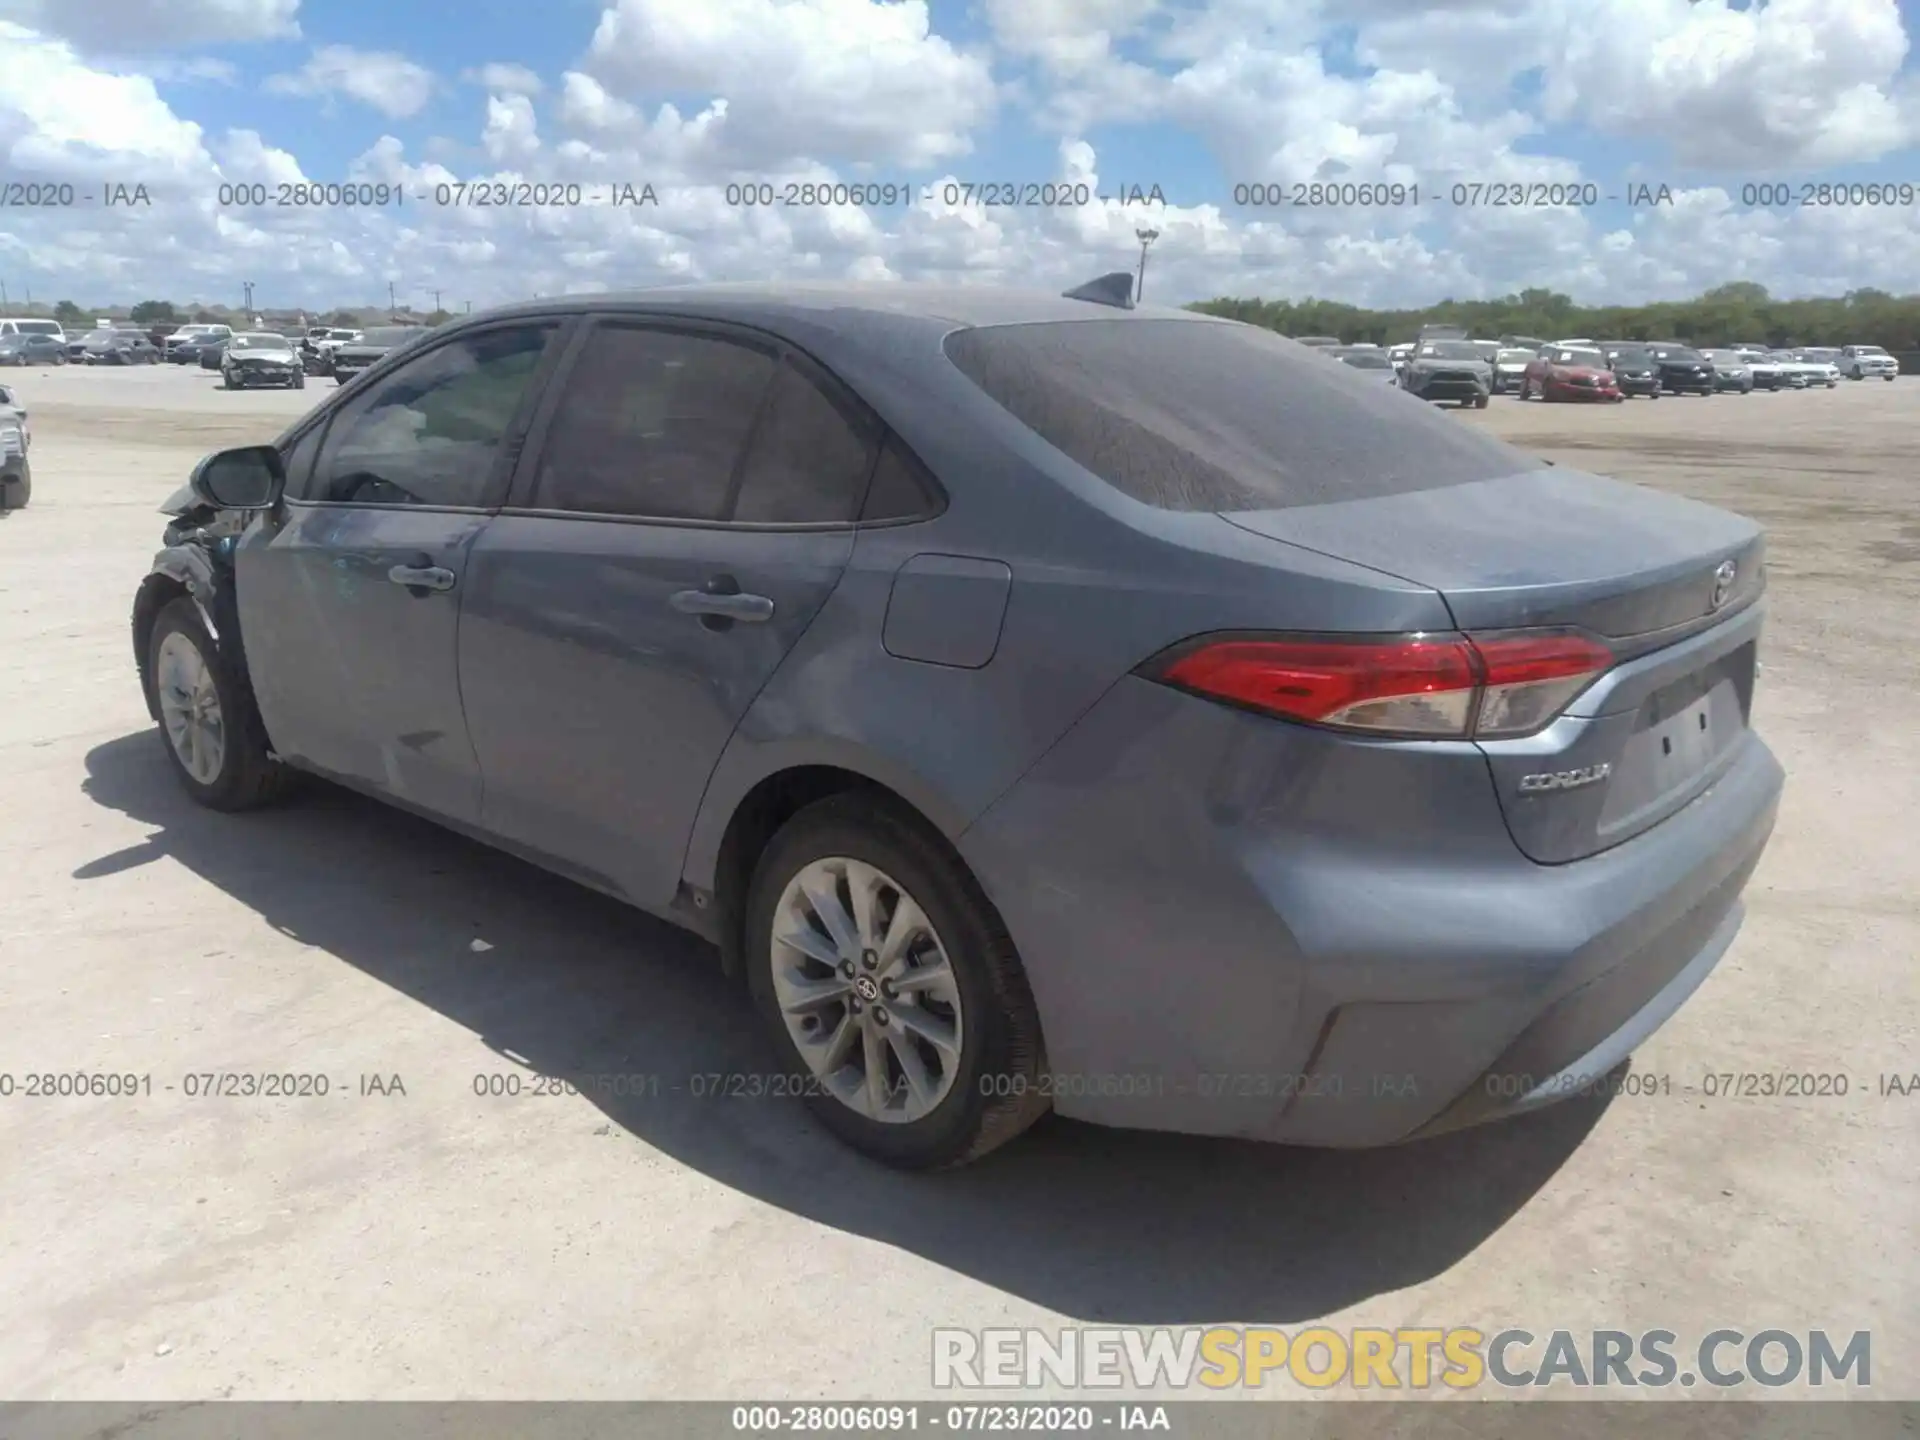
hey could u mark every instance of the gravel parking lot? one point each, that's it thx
(442, 1242)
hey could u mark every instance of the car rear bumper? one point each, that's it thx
(1234, 926)
(1558, 391)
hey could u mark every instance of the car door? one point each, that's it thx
(350, 595)
(685, 506)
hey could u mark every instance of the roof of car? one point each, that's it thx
(850, 305)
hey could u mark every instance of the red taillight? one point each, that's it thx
(1427, 686)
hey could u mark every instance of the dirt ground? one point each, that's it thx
(443, 1243)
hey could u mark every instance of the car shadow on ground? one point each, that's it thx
(1099, 1225)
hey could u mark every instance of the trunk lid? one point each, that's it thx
(1638, 568)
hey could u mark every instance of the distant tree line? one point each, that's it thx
(160, 313)
(1732, 314)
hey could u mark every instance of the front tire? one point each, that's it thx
(892, 988)
(212, 729)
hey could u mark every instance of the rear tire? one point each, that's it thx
(14, 494)
(943, 1106)
(209, 723)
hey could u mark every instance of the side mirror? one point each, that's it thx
(248, 478)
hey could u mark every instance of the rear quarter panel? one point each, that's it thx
(1100, 583)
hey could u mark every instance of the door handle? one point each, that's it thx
(753, 609)
(422, 578)
(721, 603)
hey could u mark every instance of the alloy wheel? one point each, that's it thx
(190, 708)
(867, 991)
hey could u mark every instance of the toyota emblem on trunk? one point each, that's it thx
(1723, 579)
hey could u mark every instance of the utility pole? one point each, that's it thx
(3, 294)
(393, 305)
(436, 302)
(1146, 237)
(469, 307)
(247, 286)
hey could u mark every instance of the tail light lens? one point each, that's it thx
(1438, 686)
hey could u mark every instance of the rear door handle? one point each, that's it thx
(751, 609)
(421, 578)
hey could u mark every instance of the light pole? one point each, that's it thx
(247, 287)
(1146, 238)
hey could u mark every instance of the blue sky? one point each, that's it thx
(1703, 98)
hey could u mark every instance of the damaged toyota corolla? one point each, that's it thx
(1042, 702)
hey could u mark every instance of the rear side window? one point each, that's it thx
(1203, 415)
(810, 458)
(902, 488)
(651, 424)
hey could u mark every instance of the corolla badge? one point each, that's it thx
(1564, 779)
(1723, 579)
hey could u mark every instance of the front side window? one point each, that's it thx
(652, 424)
(430, 433)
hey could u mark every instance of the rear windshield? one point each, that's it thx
(1214, 415)
(36, 327)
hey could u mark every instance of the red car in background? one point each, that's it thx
(1565, 372)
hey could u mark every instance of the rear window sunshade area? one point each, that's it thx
(1219, 416)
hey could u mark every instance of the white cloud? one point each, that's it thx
(389, 83)
(847, 90)
(511, 132)
(124, 27)
(848, 80)
(1787, 85)
(505, 79)
(69, 120)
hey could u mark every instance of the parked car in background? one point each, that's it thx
(1864, 362)
(1808, 372)
(119, 347)
(1730, 371)
(902, 714)
(16, 470)
(1793, 374)
(1529, 343)
(1569, 372)
(28, 347)
(11, 401)
(1373, 361)
(77, 346)
(1828, 356)
(183, 345)
(1765, 370)
(1318, 342)
(319, 349)
(371, 347)
(1635, 371)
(1683, 370)
(260, 357)
(28, 325)
(1399, 354)
(1448, 370)
(1510, 367)
(210, 352)
(1441, 332)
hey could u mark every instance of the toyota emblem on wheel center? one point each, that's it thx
(1723, 579)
